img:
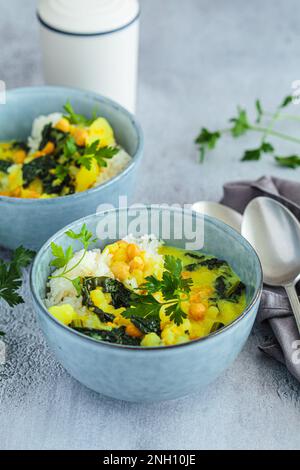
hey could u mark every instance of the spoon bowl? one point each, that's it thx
(220, 212)
(274, 232)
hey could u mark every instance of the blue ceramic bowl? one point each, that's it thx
(141, 374)
(31, 222)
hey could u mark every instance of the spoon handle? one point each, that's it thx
(294, 301)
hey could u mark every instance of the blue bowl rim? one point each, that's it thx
(100, 99)
(226, 228)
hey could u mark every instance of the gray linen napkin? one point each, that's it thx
(275, 307)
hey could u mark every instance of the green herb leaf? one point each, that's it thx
(77, 285)
(61, 172)
(251, 155)
(70, 147)
(84, 236)
(241, 123)
(206, 140)
(259, 111)
(62, 257)
(286, 101)
(255, 154)
(175, 313)
(75, 118)
(266, 147)
(292, 161)
(99, 154)
(10, 275)
(146, 306)
(172, 287)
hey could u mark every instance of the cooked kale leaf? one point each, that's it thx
(119, 294)
(4, 165)
(194, 256)
(227, 290)
(147, 325)
(216, 327)
(210, 263)
(41, 168)
(116, 335)
(20, 145)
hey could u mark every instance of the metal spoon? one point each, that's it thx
(223, 213)
(274, 233)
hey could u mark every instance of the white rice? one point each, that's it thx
(95, 264)
(114, 166)
(37, 128)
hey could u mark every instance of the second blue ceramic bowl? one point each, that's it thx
(31, 222)
(151, 374)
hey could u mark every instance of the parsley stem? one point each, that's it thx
(63, 274)
(268, 131)
(284, 117)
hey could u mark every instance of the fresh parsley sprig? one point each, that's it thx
(174, 289)
(75, 118)
(99, 154)
(63, 257)
(11, 276)
(241, 125)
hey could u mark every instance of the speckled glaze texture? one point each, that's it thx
(138, 374)
(32, 222)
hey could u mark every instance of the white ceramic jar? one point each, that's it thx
(92, 44)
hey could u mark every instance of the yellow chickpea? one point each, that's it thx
(48, 149)
(137, 263)
(133, 251)
(120, 255)
(122, 244)
(197, 311)
(133, 331)
(120, 270)
(195, 297)
(63, 125)
(20, 156)
(185, 275)
(80, 136)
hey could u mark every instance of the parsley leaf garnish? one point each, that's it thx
(174, 289)
(287, 100)
(70, 147)
(293, 161)
(63, 257)
(99, 154)
(11, 273)
(255, 154)
(240, 123)
(206, 140)
(75, 118)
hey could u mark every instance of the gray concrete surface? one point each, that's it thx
(199, 59)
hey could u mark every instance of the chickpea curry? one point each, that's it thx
(65, 154)
(132, 294)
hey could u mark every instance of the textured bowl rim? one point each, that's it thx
(136, 157)
(226, 228)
